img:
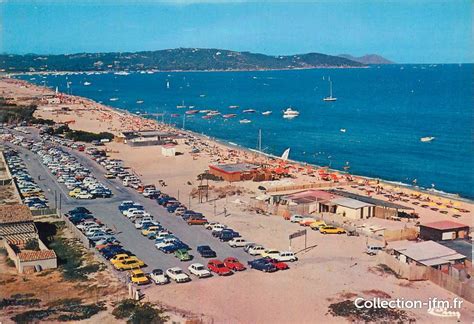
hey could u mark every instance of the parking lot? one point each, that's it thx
(106, 210)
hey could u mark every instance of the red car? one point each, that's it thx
(234, 264)
(218, 267)
(197, 221)
(278, 264)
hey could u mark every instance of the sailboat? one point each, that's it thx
(285, 154)
(330, 98)
(167, 84)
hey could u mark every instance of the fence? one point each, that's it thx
(303, 186)
(403, 270)
(463, 289)
(46, 212)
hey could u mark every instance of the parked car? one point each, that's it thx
(199, 270)
(129, 264)
(286, 256)
(206, 252)
(159, 277)
(306, 221)
(256, 250)
(331, 230)
(296, 218)
(238, 242)
(177, 275)
(138, 277)
(270, 253)
(218, 267)
(278, 264)
(316, 225)
(234, 264)
(262, 265)
(196, 221)
(182, 255)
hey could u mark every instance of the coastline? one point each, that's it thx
(235, 146)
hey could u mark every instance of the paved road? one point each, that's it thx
(106, 210)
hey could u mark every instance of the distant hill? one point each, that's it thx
(179, 59)
(367, 59)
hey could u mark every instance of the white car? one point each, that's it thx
(296, 218)
(139, 224)
(286, 256)
(177, 275)
(256, 250)
(238, 242)
(84, 195)
(165, 242)
(218, 227)
(159, 277)
(199, 270)
(210, 225)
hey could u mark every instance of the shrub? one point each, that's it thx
(32, 244)
(139, 313)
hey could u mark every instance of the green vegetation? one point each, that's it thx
(3, 251)
(139, 313)
(10, 263)
(32, 245)
(71, 259)
(79, 135)
(64, 310)
(12, 113)
(19, 300)
(184, 59)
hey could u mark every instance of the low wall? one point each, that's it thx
(76, 232)
(406, 271)
(463, 289)
(45, 212)
(410, 234)
(305, 186)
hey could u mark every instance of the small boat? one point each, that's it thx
(87, 83)
(330, 98)
(245, 121)
(213, 113)
(182, 105)
(191, 112)
(121, 73)
(202, 95)
(140, 101)
(206, 117)
(233, 107)
(343, 130)
(174, 115)
(205, 111)
(427, 139)
(167, 84)
(191, 107)
(113, 99)
(290, 113)
(266, 113)
(229, 115)
(249, 111)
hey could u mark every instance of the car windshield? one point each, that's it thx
(177, 271)
(220, 265)
(139, 275)
(157, 272)
(199, 267)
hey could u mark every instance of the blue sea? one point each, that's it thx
(384, 110)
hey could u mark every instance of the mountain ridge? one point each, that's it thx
(178, 59)
(367, 59)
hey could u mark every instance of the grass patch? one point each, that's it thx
(136, 312)
(19, 300)
(63, 310)
(71, 259)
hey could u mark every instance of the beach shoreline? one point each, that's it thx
(234, 146)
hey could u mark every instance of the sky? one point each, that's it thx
(404, 31)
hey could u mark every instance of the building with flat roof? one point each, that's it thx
(427, 253)
(236, 171)
(444, 230)
(145, 138)
(352, 208)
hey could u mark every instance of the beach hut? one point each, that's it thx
(168, 150)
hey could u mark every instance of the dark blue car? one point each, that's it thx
(262, 265)
(206, 252)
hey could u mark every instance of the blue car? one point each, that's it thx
(169, 248)
(206, 252)
(262, 265)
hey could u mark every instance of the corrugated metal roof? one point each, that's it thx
(428, 253)
(350, 203)
(370, 200)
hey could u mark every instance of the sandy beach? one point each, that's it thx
(334, 269)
